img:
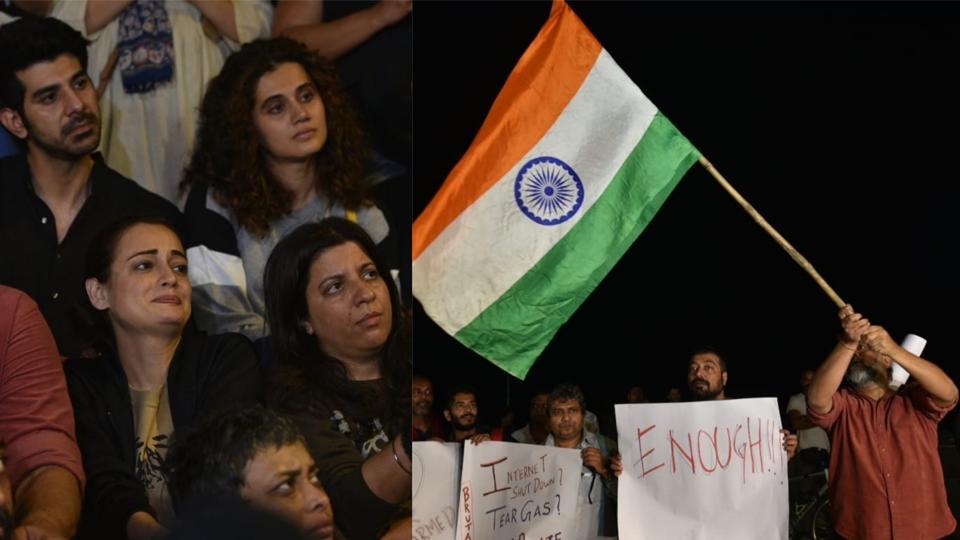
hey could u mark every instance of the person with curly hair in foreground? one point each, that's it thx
(278, 146)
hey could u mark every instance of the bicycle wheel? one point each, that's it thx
(821, 526)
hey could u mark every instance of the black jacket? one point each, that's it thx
(207, 374)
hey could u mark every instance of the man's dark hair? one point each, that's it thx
(31, 40)
(567, 391)
(208, 463)
(539, 391)
(710, 350)
(461, 389)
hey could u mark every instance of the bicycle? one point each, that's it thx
(810, 507)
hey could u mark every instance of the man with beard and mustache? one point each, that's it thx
(886, 480)
(707, 375)
(56, 194)
(462, 412)
(426, 423)
(707, 380)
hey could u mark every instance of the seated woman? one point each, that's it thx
(342, 344)
(156, 376)
(278, 146)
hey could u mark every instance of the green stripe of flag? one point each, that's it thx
(515, 329)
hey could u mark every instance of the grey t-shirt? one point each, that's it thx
(255, 250)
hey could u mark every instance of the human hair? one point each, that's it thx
(99, 260)
(228, 155)
(30, 40)
(208, 462)
(710, 350)
(538, 391)
(461, 389)
(566, 391)
(307, 372)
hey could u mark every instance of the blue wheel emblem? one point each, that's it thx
(548, 190)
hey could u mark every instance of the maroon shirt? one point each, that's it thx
(36, 418)
(886, 480)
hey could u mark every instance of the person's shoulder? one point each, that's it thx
(121, 189)
(521, 435)
(13, 166)
(92, 369)
(796, 400)
(203, 199)
(12, 299)
(373, 220)
(18, 307)
(13, 161)
(216, 347)
(15, 307)
(846, 394)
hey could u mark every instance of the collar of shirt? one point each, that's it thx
(587, 440)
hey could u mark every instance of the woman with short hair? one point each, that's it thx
(342, 343)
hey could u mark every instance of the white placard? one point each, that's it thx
(436, 487)
(705, 470)
(511, 491)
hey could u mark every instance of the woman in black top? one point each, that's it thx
(340, 339)
(156, 375)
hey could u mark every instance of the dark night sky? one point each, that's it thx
(838, 122)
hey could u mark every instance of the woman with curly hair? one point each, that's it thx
(342, 343)
(278, 146)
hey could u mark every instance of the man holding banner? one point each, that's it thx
(886, 480)
(565, 408)
(707, 379)
(462, 412)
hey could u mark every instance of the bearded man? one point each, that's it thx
(886, 480)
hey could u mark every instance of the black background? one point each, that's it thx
(836, 121)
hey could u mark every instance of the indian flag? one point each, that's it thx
(569, 167)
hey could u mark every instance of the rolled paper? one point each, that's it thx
(913, 344)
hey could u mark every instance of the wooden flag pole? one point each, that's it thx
(794, 254)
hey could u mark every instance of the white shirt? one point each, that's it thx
(591, 498)
(814, 437)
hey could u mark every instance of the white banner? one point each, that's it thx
(436, 483)
(704, 470)
(513, 491)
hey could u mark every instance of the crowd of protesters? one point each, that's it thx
(878, 444)
(199, 286)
